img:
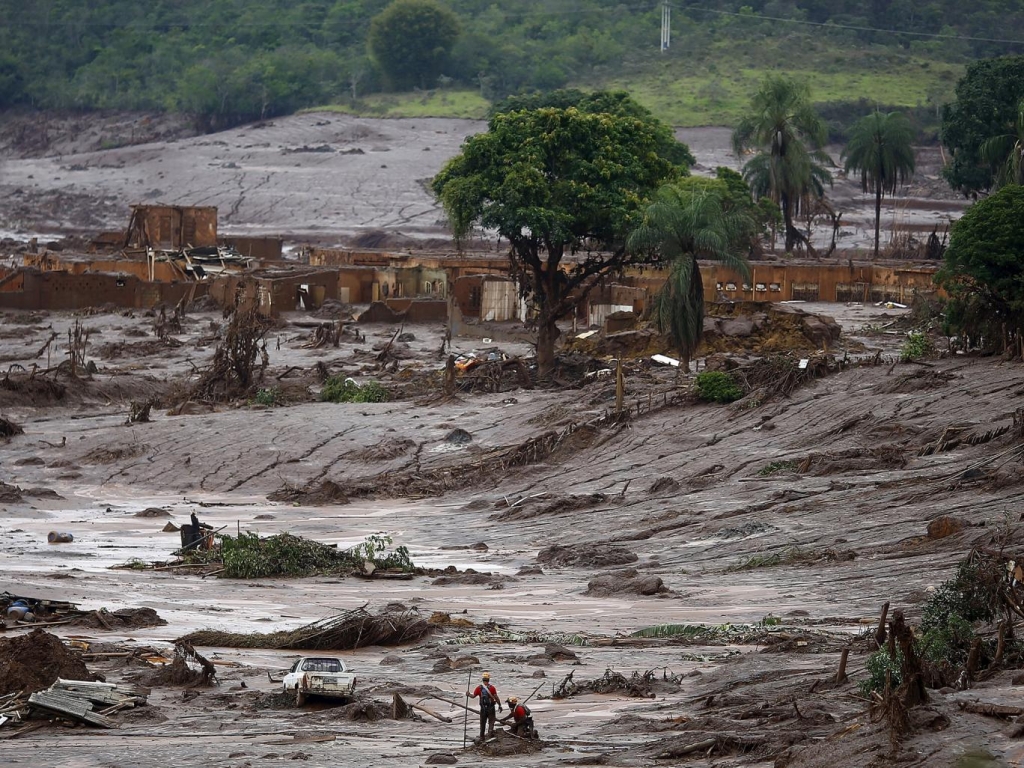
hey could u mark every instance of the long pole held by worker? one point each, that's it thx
(532, 694)
(465, 721)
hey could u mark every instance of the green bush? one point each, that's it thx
(250, 557)
(267, 396)
(338, 389)
(718, 387)
(779, 466)
(877, 665)
(916, 346)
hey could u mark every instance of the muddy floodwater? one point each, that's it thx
(778, 529)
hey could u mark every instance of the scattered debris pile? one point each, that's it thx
(346, 631)
(504, 744)
(124, 618)
(545, 504)
(18, 609)
(87, 702)
(248, 556)
(189, 669)
(766, 327)
(24, 611)
(9, 429)
(585, 555)
(774, 376)
(638, 686)
(35, 661)
(239, 362)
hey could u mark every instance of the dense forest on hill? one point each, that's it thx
(226, 61)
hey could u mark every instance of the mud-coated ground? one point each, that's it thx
(328, 177)
(686, 487)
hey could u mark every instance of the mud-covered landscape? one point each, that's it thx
(548, 538)
(331, 177)
(650, 370)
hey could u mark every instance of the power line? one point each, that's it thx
(854, 27)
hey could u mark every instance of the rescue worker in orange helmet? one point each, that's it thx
(522, 718)
(488, 695)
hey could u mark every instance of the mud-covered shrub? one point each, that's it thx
(949, 616)
(717, 387)
(916, 347)
(338, 389)
(268, 397)
(878, 665)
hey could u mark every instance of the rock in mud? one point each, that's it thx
(442, 758)
(944, 526)
(585, 556)
(152, 512)
(557, 652)
(9, 494)
(470, 577)
(626, 582)
(664, 485)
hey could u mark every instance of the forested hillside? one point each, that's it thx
(224, 61)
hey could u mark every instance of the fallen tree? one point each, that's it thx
(346, 631)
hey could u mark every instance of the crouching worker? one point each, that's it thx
(522, 719)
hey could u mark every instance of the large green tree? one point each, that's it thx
(786, 135)
(564, 187)
(983, 272)
(880, 150)
(411, 41)
(607, 102)
(690, 220)
(986, 106)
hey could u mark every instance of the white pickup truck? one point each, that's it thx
(319, 676)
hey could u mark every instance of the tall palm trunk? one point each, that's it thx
(878, 210)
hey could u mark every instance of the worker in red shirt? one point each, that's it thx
(522, 719)
(488, 695)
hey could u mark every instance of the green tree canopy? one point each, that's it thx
(880, 150)
(608, 102)
(411, 41)
(560, 185)
(1004, 153)
(986, 106)
(787, 135)
(983, 272)
(693, 219)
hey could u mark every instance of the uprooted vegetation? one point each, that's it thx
(189, 669)
(638, 685)
(968, 629)
(248, 556)
(239, 361)
(346, 631)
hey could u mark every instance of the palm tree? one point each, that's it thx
(880, 150)
(787, 134)
(1005, 153)
(688, 221)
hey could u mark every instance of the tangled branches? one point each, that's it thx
(239, 361)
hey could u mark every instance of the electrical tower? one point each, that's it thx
(666, 26)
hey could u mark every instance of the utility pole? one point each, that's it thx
(666, 26)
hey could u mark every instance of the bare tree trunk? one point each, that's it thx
(547, 335)
(878, 212)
